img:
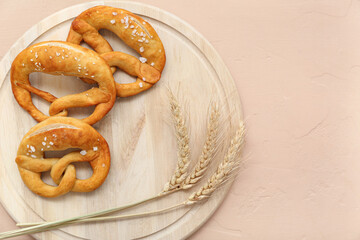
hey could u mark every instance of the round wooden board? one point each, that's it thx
(138, 129)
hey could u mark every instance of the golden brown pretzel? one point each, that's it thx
(56, 134)
(135, 32)
(55, 57)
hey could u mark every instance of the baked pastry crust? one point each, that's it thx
(56, 57)
(133, 31)
(57, 134)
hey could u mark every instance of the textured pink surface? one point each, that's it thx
(297, 67)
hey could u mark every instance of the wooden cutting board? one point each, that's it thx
(138, 129)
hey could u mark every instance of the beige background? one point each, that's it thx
(297, 67)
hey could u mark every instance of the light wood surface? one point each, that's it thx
(138, 130)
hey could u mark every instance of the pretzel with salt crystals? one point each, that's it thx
(56, 134)
(135, 32)
(55, 57)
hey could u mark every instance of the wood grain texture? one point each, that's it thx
(137, 129)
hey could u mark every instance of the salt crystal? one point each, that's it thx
(83, 152)
(142, 59)
(114, 13)
(112, 21)
(95, 148)
(142, 49)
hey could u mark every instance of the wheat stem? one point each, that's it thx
(118, 217)
(95, 214)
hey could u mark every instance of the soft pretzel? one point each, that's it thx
(61, 133)
(135, 32)
(55, 57)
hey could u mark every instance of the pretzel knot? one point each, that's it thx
(133, 31)
(56, 134)
(55, 57)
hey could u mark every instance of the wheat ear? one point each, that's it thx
(183, 147)
(225, 171)
(207, 151)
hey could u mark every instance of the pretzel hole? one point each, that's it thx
(114, 40)
(46, 178)
(59, 86)
(122, 77)
(59, 154)
(83, 170)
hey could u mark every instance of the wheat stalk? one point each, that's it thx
(226, 170)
